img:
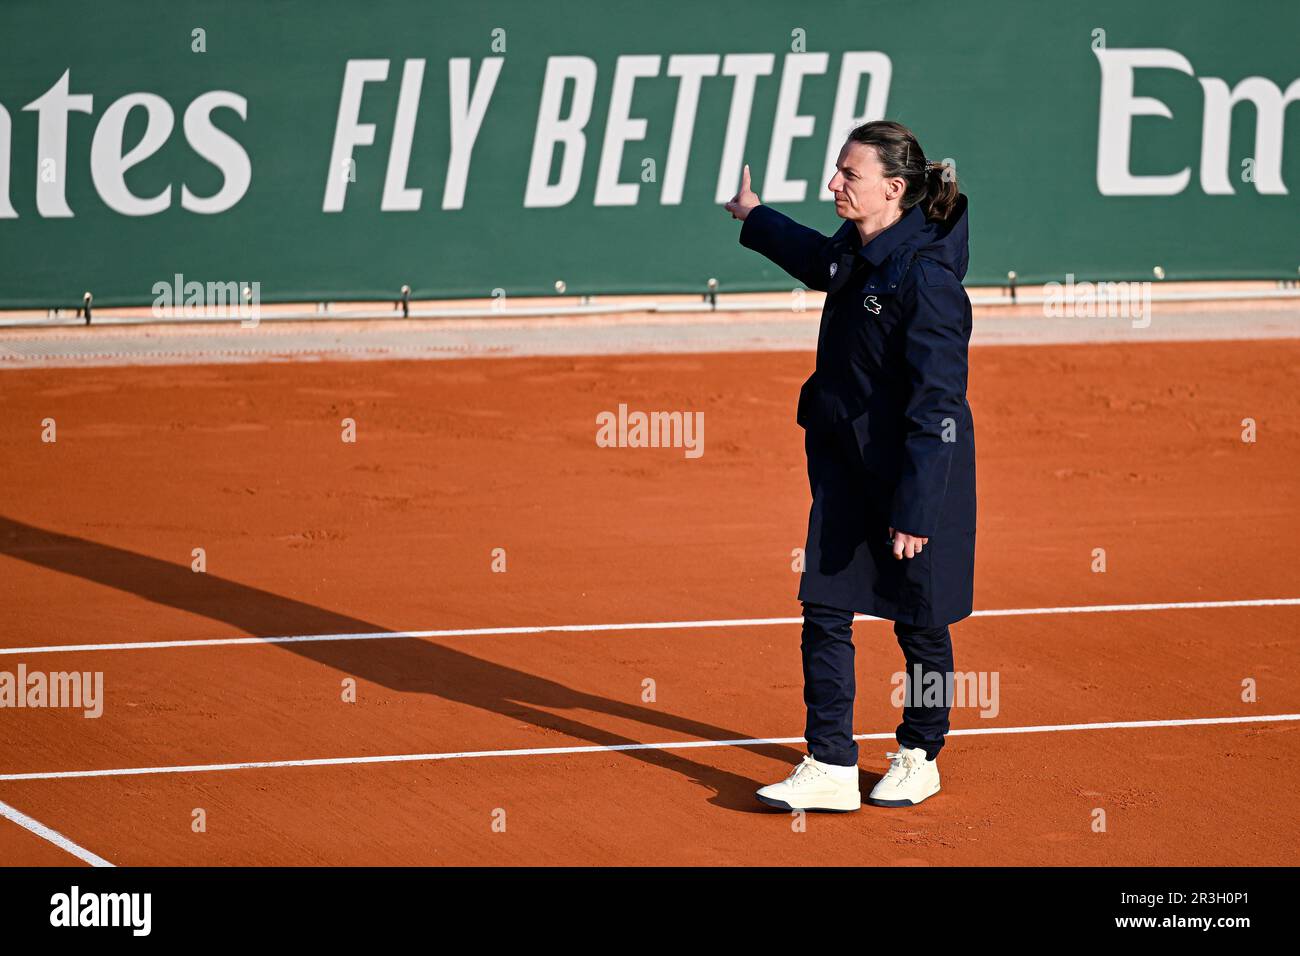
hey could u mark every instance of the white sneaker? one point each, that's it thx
(910, 779)
(815, 786)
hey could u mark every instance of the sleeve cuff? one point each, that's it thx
(753, 228)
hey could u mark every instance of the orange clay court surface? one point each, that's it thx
(1134, 448)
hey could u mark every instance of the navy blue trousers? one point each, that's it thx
(828, 684)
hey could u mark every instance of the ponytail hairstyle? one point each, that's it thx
(932, 186)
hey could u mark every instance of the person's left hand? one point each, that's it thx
(906, 545)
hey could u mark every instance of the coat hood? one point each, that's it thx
(947, 242)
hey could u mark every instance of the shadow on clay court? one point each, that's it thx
(408, 665)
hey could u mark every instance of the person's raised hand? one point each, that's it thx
(740, 204)
(906, 545)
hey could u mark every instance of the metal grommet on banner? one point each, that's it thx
(712, 295)
(86, 300)
(406, 301)
(1011, 279)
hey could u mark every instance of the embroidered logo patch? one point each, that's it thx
(834, 266)
(871, 305)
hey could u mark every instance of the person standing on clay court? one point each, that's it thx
(890, 445)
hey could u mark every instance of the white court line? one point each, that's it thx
(53, 836)
(599, 748)
(641, 626)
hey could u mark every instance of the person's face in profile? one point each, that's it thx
(862, 191)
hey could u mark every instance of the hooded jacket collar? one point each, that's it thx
(882, 246)
(913, 234)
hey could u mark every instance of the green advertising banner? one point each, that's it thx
(340, 150)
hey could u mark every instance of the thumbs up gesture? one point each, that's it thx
(745, 200)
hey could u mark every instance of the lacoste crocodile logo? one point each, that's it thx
(871, 305)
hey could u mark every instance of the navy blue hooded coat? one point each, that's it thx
(887, 428)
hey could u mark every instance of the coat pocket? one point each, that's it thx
(876, 443)
(802, 414)
(819, 409)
